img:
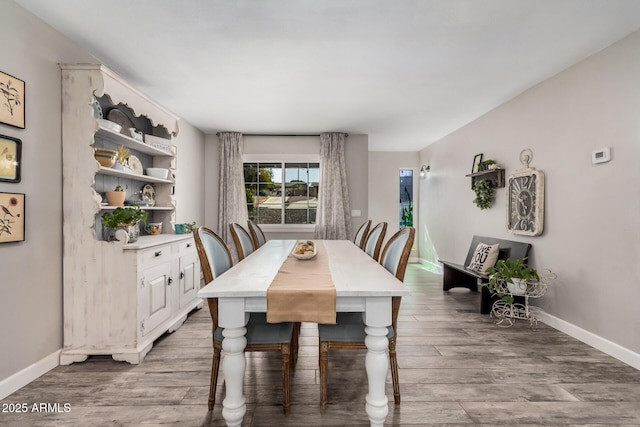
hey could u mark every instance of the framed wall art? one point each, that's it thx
(476, 163)
(10, 158)
(12, 100)
(11, 217)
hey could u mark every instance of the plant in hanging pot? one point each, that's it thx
(485, 193)
(127, 219)
(117, 196)
(510, 277)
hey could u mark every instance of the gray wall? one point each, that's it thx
(384, 183)
(190, 143)
(356, 150)
(591, 233)
(31, 281)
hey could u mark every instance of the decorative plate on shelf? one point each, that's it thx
(149, 193)
(135, 165)
(121, 118)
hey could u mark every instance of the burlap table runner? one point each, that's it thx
(303, 290)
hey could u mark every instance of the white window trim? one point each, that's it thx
(284, 158)
(288, 228)
(279, 158)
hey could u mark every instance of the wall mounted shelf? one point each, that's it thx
(495, 176)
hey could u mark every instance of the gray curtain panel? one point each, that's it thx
(232, 201)
(333, 220)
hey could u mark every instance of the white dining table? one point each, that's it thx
(362, 285)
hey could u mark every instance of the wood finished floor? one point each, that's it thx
(456, 369)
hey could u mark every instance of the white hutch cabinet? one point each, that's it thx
(118, 297)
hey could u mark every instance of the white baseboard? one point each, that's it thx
(20, 379)
(433, 267)
(612, 349)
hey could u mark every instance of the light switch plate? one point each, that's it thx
(356, 213)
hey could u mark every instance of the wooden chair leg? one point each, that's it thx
(295, 344)
(324, 367)
(286, 352)
(393, 359)
(215, 366)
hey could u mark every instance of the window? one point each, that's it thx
(284, 193)
(406, 205)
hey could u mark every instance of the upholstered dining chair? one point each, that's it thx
(242, 241)
(215, 259)
(374, 239)
(361, 234)
(348, 332)
(257, 235)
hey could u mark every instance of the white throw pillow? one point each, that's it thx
(484, 258)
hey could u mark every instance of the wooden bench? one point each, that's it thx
(457, 275)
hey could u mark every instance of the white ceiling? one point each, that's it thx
(405, 72)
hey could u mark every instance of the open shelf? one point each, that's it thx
(133, 176)
(495, 176)
(120, 139)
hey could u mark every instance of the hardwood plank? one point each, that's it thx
(456, 368)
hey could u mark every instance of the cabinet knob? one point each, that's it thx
(170, 281)
(188, 245)
(181, 275)
(158, 253)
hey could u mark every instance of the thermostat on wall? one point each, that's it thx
(601, 155)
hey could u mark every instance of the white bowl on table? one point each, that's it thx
(161, 173)
(309, 250)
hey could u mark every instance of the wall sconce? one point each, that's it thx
(424, 170)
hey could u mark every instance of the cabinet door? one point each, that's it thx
(189, 278)
(156, 298)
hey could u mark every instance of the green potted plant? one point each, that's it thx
(127, 219)
(485, 193)
(190, 227)
(117, 195)
(488, 165)
(122, 155)
(510, 277)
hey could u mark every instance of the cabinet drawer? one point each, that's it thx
(184, 247)
(155, 255)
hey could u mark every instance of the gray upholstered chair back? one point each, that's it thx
(395, 255)
(242, 240)
(213, 252)
(361, 234)
(257, 234)
(374, 240)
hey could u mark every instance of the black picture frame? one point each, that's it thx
(476, 163)
(12, 100)
(12, 217)
(10, 159)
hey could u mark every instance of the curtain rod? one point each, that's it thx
(280, 134)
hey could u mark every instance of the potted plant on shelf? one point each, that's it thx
(117, 195)
(510, 277)
(122, 155)
(488, 165)
(485, 193)
(127, 219)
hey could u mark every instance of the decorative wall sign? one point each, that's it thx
(11, 100)
(476, 163)
(11, 217)
(525, 199)
(10, 157)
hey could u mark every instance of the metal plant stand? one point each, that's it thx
(506, 313)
